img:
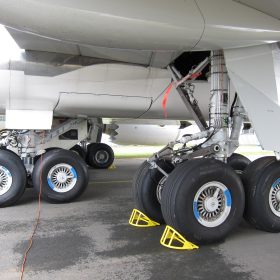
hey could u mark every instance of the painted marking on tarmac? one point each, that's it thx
(111, 182)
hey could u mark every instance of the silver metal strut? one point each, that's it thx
(219, 103)
(238, 118)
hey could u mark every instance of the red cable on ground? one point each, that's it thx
(38, 215)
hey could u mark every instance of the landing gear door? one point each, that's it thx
(102, 105)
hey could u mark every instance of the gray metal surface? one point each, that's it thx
(272, 8)
(143, 57)
(192, 107)
(148, 32)
(49, 64)
(259, 95)
(91, 239)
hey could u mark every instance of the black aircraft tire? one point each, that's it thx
(253, 171)
(64, 176)
(13, 178)
(181, 200)
(99, 155)
(145, 185)
(12, 152)
(250, 177)
(262, 202)
(46, 150)
(239, 163)
(80, 151)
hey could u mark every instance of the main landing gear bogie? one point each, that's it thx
(40, 159)
(60, 175)
(204, 199)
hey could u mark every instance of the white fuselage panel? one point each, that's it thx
(104, 90)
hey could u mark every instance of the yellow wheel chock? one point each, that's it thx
(174, 240)
(139, 219)
(112, 167)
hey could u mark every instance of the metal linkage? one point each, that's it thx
(165, 153)
(185, 93)
(64, 127)
(193, 73)
(155, 165)
(196, 136)
(181, 155)
(8, 138)
(238, 117)
(29, 143)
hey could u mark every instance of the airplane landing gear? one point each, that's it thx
(203, 197)
(64, 172)
(63, 175)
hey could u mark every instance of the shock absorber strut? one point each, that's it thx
(219, 102)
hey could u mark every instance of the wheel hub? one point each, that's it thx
(211, 204)
(102, 156)
(278, 196)
(5, 180)
(274, 198)
(62, 178)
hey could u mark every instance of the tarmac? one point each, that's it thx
(91, 239)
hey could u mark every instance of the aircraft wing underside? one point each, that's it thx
(148, 33)
(33, 42)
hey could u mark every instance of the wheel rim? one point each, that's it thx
(274, 198)
(102, 156)
(212, 204)
(62, 178)
(160, 188)
(5, 180)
